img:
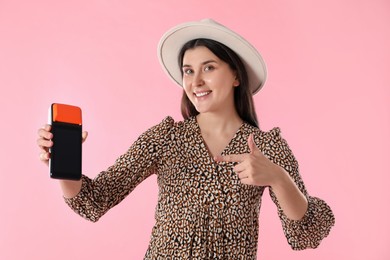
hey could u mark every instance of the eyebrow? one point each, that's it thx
(203, 63)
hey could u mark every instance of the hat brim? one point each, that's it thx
(173, 40)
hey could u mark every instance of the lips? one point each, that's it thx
(202, 93)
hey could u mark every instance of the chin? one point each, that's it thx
(202, 109)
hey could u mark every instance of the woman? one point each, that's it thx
(213, 167)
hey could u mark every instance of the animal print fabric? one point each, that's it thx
(203, 210)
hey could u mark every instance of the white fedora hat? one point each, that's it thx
(173, 40)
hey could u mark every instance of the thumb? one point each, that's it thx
(84, 136)
(251, 144)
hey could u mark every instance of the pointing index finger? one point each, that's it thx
(231, 158)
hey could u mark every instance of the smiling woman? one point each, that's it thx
(212, 167)
(229, 60)
(208, 82)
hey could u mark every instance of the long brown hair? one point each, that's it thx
(243, 99)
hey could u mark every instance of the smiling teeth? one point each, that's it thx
(202, 94)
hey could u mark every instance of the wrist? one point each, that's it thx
(281, 178)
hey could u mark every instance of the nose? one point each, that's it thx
(197, 80)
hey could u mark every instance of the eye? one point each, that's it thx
(209, 68)
(187, 71)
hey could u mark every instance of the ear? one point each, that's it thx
(236, 83)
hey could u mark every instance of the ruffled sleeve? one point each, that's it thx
(110, 187)
(318, 220)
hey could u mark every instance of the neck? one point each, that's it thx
(218, 123)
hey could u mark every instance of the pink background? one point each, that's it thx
(328, 89)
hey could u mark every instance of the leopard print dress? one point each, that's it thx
(203, 210)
